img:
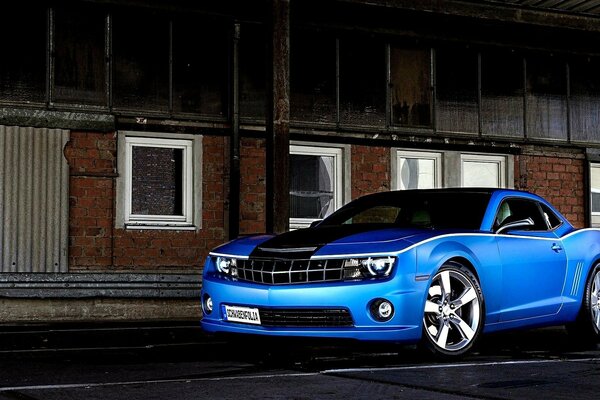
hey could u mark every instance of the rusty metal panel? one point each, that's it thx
(34, 200)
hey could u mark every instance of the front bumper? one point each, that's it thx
(406, 295)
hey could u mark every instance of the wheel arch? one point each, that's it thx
(464, 262)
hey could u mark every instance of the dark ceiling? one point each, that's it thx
(570, 6)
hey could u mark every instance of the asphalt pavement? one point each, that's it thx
(176, 360)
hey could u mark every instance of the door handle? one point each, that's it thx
(556, 247)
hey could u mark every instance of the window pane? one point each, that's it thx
(311, 186)
(313, 66)
(456, 90)
(200, 67)
(595, 202)
(417, 173)
(546, 98)
(411, 86)
(585, 100)
(80, 68)
(23, 39)
(362, 82)
(141, 61)
(481, 174)
(595, 187)
(156, 181)
(252, 71)
(502, 94)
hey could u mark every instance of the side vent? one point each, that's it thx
(576, 279)
(34, 200)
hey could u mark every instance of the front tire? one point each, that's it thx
(454, 311)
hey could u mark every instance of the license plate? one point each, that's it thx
(244, 315)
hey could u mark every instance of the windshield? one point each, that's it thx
(415, 209)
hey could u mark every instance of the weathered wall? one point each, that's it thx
(95, 245)
(252, 186)
(90, 310)
(370, 170)
(558, 176)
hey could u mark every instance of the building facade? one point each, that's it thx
(135, 136)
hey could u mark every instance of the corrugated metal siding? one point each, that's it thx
(34, 200)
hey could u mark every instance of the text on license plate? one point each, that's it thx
(245, 315)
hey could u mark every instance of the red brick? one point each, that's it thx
(563, 187)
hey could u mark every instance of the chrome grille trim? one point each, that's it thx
(289, 272)
(306, 317)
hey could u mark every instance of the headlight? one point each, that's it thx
(379, 267)
(226, 265)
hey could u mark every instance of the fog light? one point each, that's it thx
(382, 310)
(208, 304)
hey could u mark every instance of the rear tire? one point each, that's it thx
(587, 325)
(454, 315)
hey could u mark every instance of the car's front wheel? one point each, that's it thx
(454, 312)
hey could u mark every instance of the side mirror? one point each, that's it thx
(315, 223)
(522, 223)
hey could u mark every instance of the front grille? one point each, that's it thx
(318, 318)
(286, 272)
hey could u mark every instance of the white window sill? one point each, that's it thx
(161, 227)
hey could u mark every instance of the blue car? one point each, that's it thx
(439, 267)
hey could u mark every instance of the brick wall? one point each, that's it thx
(91, 158)
(370, 170)
(95, 245)
(252, 186)
(558, 176)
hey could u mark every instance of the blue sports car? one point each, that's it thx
(437, 266)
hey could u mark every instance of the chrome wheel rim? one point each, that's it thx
(595, 300)
(452, 311)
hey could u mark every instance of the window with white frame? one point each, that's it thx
(418, 170)
(316, 183)
(595, 193)
(482, 170)
(158, 185)
(413, 169)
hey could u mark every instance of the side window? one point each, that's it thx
(550, 217)
(512, 210)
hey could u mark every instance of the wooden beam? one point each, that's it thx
(278, 120)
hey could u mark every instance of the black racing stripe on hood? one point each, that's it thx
(303, 243)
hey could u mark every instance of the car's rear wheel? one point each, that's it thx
(454, 311)
(587, 326)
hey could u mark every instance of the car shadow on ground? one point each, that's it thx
(319, 355)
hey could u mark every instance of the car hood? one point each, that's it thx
(323, 241)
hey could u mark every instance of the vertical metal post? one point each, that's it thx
(50, 56)
(388, 86)
(171, 50)
(338, 109)
(479, 96)
(525, 110)
(568, 77)
(108, 59)
(278, 120)
(234, 142)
